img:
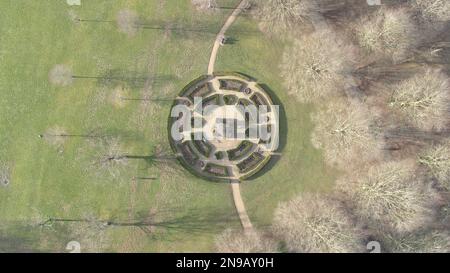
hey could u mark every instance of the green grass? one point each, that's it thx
(36, 35)
(301, 167)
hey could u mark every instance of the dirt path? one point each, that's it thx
(226, 26)
(240, 207)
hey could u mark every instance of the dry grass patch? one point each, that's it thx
(60, 75)
(56, 136)
(128, 22)
(118, 97)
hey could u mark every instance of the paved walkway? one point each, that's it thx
(228, 23)
(235, 184)
(240, 207)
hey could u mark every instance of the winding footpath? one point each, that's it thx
(235, 184)
(226, 26)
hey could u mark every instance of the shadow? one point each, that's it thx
(21, 237)
(176, 29)
(145, 178)
(94, 21)
(68, 136)
(231, 41)
(13, 244)
(282, 134)
(184, 31)
(122, 133)
(131, 79)
(99, 134)
(180, 220)
(227, 8)
(411, 134)
(154, 100)
(158, 157)
(151, 159)
(387, 72)
(191, 222)
(249, 78)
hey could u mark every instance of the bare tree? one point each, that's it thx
(5, 174)
(316, 66)
(391, 195)
(110, 156)
(424, 241)
(117, 96)
(94, 232)
(238, 241)
(128, 22)
(204, 4)
(435, 10)
(89, 231)
(343, 130)
(60, 75)
(282, 15)
(423, 99)
(389, 32)
(312, 223)
(437, 161)
(55, 136)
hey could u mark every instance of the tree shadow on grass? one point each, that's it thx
(178, 221)
(132, 79)
(21, 237)
(14, 244)
(193, 221)
(192, 31)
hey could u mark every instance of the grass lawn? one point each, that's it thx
(61, 181)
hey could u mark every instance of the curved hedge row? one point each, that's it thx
(191, 169)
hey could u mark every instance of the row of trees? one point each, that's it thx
(105, 154)
(365, 82)
(393, 201)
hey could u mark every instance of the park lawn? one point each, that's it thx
(59, 182)
(301, 167)
(48, 181)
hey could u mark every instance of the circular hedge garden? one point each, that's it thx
(214, 111)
